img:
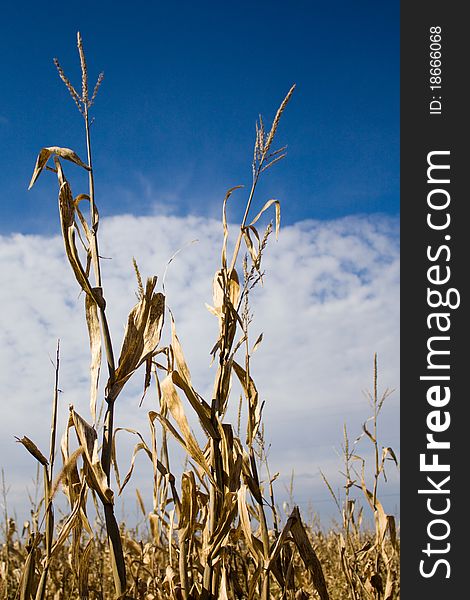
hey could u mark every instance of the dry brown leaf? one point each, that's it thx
(257, 343)
(224, 524)
(67, 220)
(308, 555)
(94, 334)
(141, 338)
(278, 214)
(224, 224)
(83, 569)
(251, 394)
(70, 521)
(381, 518)
(45, 154)
(176, 409)
(245, 523)
(201, 407)
(88, 439)
(27, 575)
(178, 353)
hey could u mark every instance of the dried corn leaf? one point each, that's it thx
(140, 502)
(68, 474)
(227, 452)
(308, 555)
(27, 576)
(72, 477)
(254, 407)
(45, 154)
(83, 570)
(147, 378)
(142, 335)
(201, 407)
(234, 480)
(113, 452)
(257, 343)
(381, 518)
(88, 439)
(281, 540)
(392, 531)
(67, 220)
(94, 334)
(389, 587)
(82, 219)
(245, 522)
(295, 527)
(222, 386)
(181, 364)
(173, 402)
(277, 206)
(368, 433)
(189, 506)
(253, 582)
(224, 587)
(72, 519)
(225, 294)
(231, 288)
(390, 454)
(224, 524)
(251, 482)
(249, 245)
(224, 224)
(140, 446)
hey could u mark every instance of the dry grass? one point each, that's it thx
(216, 532)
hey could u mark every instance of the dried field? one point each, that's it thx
(216, 531)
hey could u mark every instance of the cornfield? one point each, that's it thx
(216, 530)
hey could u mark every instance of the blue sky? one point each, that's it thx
(184, 83)
(174, 129)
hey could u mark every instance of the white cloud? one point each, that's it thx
(330, 300)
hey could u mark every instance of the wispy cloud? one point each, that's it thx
(330, 300)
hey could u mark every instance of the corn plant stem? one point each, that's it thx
(93, 215)
(215, 583)
(214, 506)
(245, 217)
(27, 576)
(263, 525)
(48, 472)
(41, 589)
(210, 579)
(271, 498)
(115, 549)
(114, 536)
(183, 568)
(261, 513)
(54, 413)
(377, 466)
(106, 450)
(206, 582)
(161, 482)
(109, 417)
(376, 447)
(95, 253)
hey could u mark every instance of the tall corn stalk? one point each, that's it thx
(141, 336)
